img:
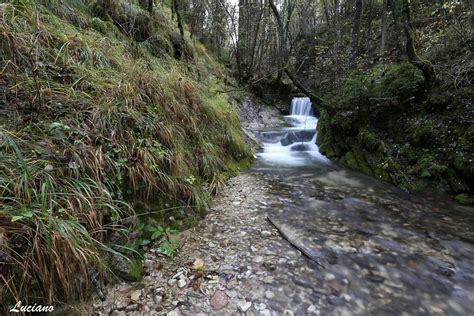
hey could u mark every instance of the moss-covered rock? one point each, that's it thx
(465, 199)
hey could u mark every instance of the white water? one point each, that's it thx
(294, 147)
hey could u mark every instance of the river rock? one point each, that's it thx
(244, 306)
(265, 312)
(182, 283)
(135, 295)
(260, 306)
(268, 280)
(219, 300)
(131, 308)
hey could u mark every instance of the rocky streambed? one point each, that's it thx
(247, 265)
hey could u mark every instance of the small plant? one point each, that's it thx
(190, 180)
(169, 248)
(148, 233)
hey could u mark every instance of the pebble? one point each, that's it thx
(135, 296)
(329, 276)
(244, 306)
(219, 300)
(182, 283)
(268, 280)
(131, 308)
(265, 312)
(260, 306)
(265, 233)
(269, 295)
(148, 263)
(172, 313)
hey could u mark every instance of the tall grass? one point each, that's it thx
(54, 224)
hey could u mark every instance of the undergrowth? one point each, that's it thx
(105, 109)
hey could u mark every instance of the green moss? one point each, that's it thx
(357, 160)
(401, 81)
(465, 199)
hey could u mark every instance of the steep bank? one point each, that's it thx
(386, 126)
(107, 112)
(387, 120)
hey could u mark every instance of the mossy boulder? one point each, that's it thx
(357, 159)
(465, 199)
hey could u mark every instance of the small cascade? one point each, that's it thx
(296, 145)
(301, 106)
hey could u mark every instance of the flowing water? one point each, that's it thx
(376, 249)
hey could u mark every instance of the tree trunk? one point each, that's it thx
(383, 35)
(146, 5)
(150, 6)
(281, 38)
(396, 27)
(326, 13)
(355, 32)
(177, 10)
(425, 66)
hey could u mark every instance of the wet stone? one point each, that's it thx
(131, 308)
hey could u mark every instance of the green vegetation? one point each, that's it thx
(110, 116)
(386, 124)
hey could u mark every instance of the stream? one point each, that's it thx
(376, 249)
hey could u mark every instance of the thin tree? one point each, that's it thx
(356, 31)
(425, 66)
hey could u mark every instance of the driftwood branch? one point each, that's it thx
(287, 238)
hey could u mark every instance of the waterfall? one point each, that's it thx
(301, 106)
(295, 145)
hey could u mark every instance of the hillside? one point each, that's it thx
(112, 127)
(389, 120)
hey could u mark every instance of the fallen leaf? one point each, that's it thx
(198, 264)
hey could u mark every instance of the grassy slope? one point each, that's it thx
(105, 112)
